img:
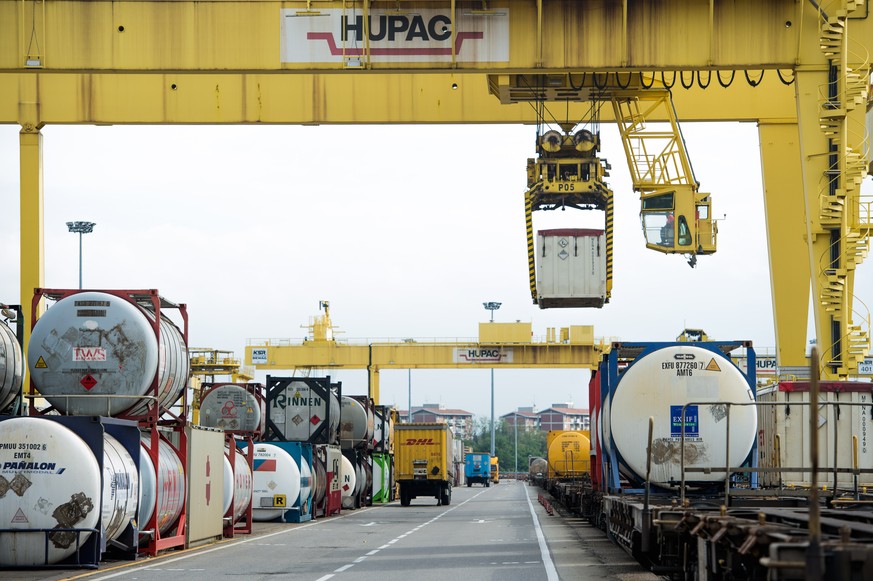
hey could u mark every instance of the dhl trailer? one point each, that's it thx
(423, 461)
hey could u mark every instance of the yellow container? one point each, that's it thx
(423, 452)
(495, 469)
(569, 453)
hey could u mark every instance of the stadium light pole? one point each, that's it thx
(80, 228)
(492, 306)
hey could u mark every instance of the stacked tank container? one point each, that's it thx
(11, 360)
(240, 410)
(382, 458)
(116, 354)
(357, 429)
(303, 418)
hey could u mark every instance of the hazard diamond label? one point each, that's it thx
(713, 366)
(20, 517)
(88, 382)
(314, 420)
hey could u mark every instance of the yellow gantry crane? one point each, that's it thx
(800, 69)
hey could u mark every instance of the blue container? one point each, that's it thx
(301, 509)
(477, 468)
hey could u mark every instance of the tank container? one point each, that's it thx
(357, 422)
(276, 482)
(163, 489)
(233, 407)
(304, 409)
(11, 366)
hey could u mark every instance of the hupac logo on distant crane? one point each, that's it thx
(335, 35)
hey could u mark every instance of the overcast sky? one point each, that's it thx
(406, 230)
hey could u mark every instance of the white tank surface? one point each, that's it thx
(227, 493)
(50, 479)
(605, 427)
(237, 485)
(301, 413)
(356, 426)
(659, 384)
(305, 483)
(11, 366)
(163, 489)
(348, 478)
(94, 344)
(120, 487)
(275, 473)
(232, 407)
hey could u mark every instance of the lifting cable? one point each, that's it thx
(682, 79)
(700, 81)
(643, 83)
(749, 79)
(730, 81)
(783, 79)
(664, 80)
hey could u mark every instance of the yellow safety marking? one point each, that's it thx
(297, 395)
(528, 220)
(279, 500)
(40, 363)
(609, 239)
(713, 366)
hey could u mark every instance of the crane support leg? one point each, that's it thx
(531, 266)
(32, 249)
(785, 220)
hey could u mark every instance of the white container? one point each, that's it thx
(784, 437)
(97, 344)
(232, 407)
(11, 366)
(162, 490)
(237, 485)
(658, 385)
(54, 481)
(348, 478)
(302, 414)
(275, 474)
(120, 488)
(571, 268)
(306, 485)
(319, 480)
(356, 425)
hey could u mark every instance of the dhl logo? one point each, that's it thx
(419, 441)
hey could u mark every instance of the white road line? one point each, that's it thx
(359, 559)
(128, 570)
(551, 572)
(373, 552)
(344, 568)
(325, 578)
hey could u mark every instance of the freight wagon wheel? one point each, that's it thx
(487, 484)
(404, 499)
(446, 497)
(469, 484)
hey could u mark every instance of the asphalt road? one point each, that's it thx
(499, 532)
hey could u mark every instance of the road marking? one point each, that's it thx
(373, 552)
(344, 568)
(325, 578)
(551, 572)
(359, 559)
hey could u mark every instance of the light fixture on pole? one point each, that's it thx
(492, 306)
(80, 227)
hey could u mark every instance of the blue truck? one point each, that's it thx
(477, 468)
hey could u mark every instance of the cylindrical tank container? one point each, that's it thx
(658, 384)
(233, 407)
(302, 409)
(306, 484)
(237, 485)
(162, 489)
(319, 480)
(356, 425)
(537, 469)
(11, 366)
(569, 454)
(348, 480)
(120, 487)
(276, 482)
(53, 480)
(381, 478)
(99, 344)
(383, 429)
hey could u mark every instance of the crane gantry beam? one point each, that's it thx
(252, 61)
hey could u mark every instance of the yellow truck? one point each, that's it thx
(423, 461)
(495, 470)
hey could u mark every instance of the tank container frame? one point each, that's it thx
(256, 389)
(152, 301)
(16, 407)
(157, 416)
(613, 364)
(333, 500)
(322, 386)
(91, 429)
(301, 510)
(235, 443)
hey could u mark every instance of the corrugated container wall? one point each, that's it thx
(571, 268)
